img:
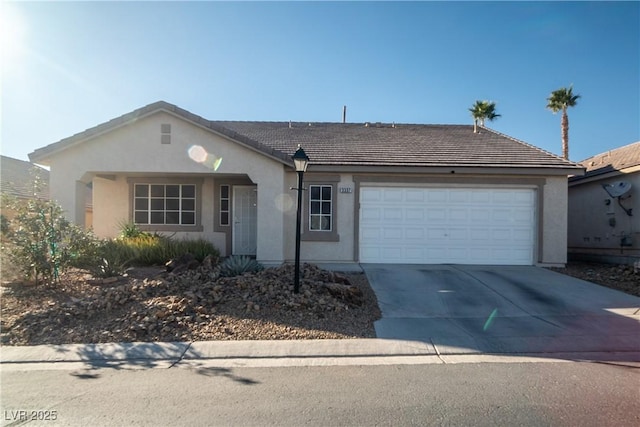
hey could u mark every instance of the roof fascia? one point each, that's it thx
(597, 177)
(43, 154)
(477, 170)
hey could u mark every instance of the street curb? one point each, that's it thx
(275, 353)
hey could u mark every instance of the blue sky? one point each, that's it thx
(70, 66)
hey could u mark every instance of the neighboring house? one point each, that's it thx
(23, 180)
(601, 226)
(374, 192)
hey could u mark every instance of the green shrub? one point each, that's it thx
(130, 230)
(236, 265)
(154, 249)
(111, 259)
(44, 243)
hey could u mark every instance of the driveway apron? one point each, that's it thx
(463, 309)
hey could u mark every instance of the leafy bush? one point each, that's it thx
(130, 230)
(236, 265)
(45, 244)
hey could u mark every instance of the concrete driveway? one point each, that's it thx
(461, 309)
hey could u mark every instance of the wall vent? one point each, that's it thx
(165, 133)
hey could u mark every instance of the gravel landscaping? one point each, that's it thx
(625, 278)
(149, 304)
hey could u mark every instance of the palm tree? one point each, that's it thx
(481, 111)
(562, 99)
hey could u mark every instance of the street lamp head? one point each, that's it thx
(300, 160)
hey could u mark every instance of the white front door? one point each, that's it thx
(245, 219)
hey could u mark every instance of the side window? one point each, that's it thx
(224, 204)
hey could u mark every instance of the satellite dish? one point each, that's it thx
(617, 189)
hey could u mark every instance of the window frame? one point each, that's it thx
(197, 201)
(224, 211)
(321, 203)
(307, 234)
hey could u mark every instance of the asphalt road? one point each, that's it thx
(549, 393)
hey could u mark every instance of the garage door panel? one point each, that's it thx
(436, 196)
(458, 234)
(414, 214)
(416, 195)
(414, 233)
(393, 195)
(461, 225)
(436, 214)
(459, 214)
(392, 214)
(393, 233)
(482, 197)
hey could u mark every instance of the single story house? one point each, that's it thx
(604, 207)
(373, 192)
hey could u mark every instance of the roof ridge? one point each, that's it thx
(341, 123)
(614, 150)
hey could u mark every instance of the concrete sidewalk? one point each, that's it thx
(268, 354)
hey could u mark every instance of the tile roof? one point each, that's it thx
(17, 178)
(348, 144)
(611, 161)
(396, 144)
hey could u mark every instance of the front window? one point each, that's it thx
(167, 204)
(320, 208)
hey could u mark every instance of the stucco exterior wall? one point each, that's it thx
(321, 251)
(142, 149)
(554, 222)
(597, 224)
(137, 150)
(551, 245)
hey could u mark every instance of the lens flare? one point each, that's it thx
(199, 154)
(489, 321)
(284, 202)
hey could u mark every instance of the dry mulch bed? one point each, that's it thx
(623, 278)
(149, 304)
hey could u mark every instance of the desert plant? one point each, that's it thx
(111, 258)
(129, 230)
(44, 242)
(155, 249)
(239, 264)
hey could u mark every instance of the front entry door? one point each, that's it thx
(245, 219)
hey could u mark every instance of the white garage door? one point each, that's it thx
(447, 225)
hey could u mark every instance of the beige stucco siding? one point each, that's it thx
(323, 251)
(551, 213)
(553, 208)
(135, 150)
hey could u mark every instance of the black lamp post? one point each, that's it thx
(300, 160)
